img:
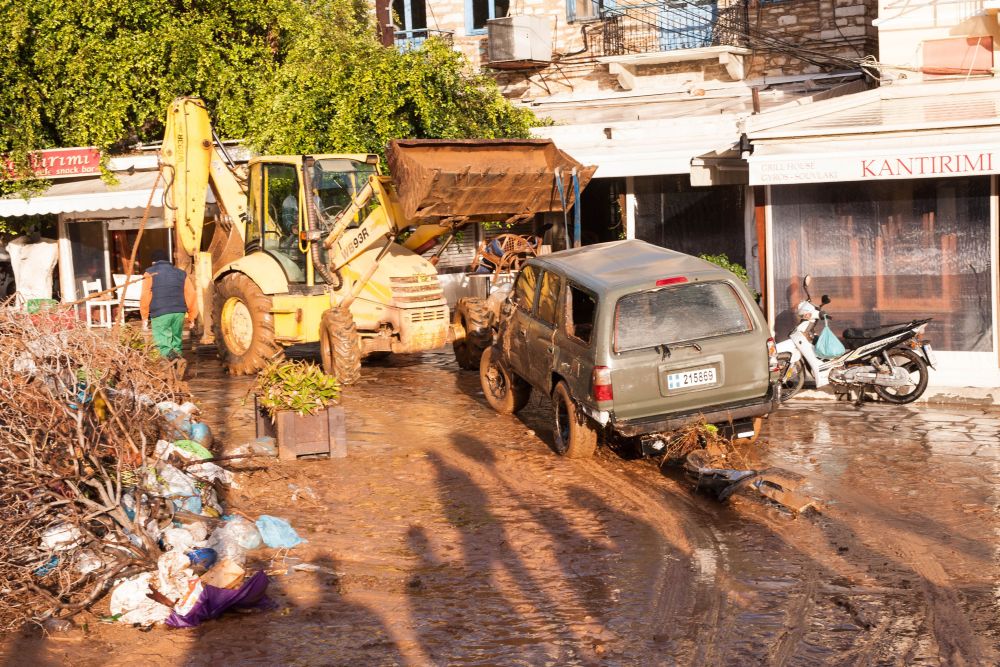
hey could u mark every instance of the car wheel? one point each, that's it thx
(574, 434)
(505, 391)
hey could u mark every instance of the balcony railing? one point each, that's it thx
(407, 40)
(670, 25)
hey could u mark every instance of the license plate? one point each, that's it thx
(929, 353)
(693, 378)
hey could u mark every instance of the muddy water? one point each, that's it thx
(453, 536)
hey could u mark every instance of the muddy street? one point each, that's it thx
(451, 535)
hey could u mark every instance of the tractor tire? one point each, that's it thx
(340, 345)
(574, 435)
(473, 317)
(243, 325)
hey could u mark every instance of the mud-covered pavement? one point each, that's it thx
(453, 536)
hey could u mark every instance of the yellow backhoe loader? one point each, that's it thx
(326, 248)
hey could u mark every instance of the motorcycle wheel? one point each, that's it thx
(792, 380)
(916, 367)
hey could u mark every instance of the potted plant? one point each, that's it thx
(296, 403)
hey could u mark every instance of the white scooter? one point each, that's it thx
(890, 360)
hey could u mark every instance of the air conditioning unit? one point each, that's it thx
(519, 41)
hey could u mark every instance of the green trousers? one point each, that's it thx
(167, 332)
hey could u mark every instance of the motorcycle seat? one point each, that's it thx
(874, 332)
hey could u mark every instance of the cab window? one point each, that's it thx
(524, 288)
(548, 297)
(580, 310)
(281, 219)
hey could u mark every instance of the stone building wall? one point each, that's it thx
(827, 28)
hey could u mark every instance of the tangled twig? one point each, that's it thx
(77, 416)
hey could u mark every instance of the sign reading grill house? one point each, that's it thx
(788, 169)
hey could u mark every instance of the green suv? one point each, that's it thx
(633, 341)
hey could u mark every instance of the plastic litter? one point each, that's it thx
(210, 472)
(263, 446)
(202, 558)
(181, 489)
(304, 491)
(47, 566)
(175, 578)
(277, 533)
(130, 604)
(178, 539)
(61, 537)
(87, 561)
(234, 538)
(212, 602)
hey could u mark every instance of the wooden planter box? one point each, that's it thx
(296, 435)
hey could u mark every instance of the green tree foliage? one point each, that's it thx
(288, 75)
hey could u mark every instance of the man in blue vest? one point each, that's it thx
(169, 297)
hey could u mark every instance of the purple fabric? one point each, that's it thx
(214, 601)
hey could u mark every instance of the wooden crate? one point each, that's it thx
(305, 435)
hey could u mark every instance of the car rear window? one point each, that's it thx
(669, 315)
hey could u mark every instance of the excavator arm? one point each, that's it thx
(192, 164)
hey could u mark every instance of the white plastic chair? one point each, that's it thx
(103, 306)
(133, 291)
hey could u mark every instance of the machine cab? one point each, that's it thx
(278, 211)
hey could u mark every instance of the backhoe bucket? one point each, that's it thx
(481, 179)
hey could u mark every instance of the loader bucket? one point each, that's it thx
(481, 179)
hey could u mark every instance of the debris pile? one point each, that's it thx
(717, 465)
(106, 483)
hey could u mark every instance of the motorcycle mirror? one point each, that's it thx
(807, 281)
(825, 299)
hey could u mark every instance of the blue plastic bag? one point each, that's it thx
(829, 346)
(277, 533)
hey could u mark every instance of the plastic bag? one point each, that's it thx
(212, 602)
(234, 538)
(130, 604)
(277, 533)
(829, 346)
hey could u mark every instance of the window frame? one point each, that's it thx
(470, 29)
(567, 302)
(534, 298)
(555, 300)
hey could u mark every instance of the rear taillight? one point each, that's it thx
(772, 356)
(601, 384)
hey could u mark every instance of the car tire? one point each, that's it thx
(340, 346)
(574, 435)
(473, 317)
(243, 325)
(504, 391)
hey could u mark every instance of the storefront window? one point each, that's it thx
(698, 221)
(888, 252)
(86, 240)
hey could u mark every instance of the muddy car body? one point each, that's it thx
(633, 341)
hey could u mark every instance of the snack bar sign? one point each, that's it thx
(785, 169)
(60, 163)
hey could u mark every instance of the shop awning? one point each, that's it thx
(921, 131)
(644, 148)
(92, 194)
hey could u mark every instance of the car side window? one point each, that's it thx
(524, 289)
(548, 297)
(580, 310)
